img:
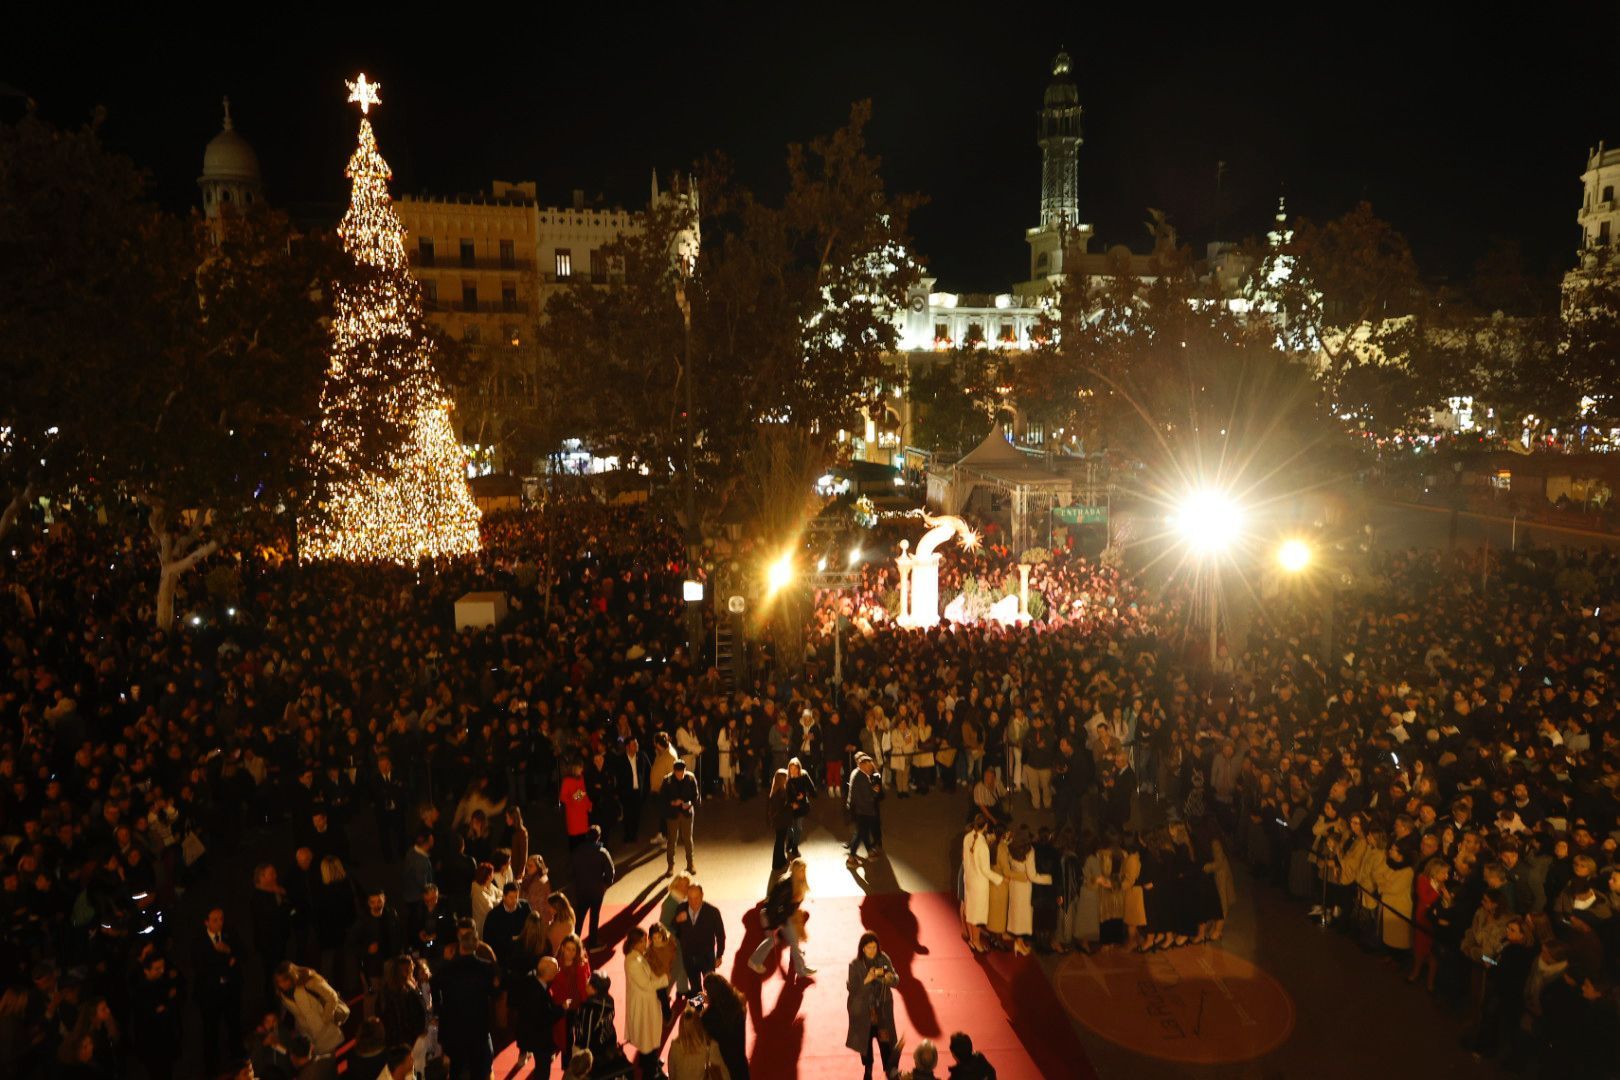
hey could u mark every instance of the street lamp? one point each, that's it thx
(779, 574)
(1208, 521)
(1294, 555)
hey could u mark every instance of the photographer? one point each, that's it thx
(871, 985)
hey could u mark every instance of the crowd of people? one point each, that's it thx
(179, 809)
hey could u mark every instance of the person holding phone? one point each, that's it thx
(871, 983)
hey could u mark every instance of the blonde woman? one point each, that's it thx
(783, 915)
(562, 922)
(693, 1055)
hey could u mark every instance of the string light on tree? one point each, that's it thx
(416, 505)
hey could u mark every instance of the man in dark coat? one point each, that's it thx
(865, 789)
(467, 986)
(503, 930)
(629, 771)
(970, 1064)
(702, 935)
(534, 1015)
(376, 936)
(593, 873)
(218, 988)
(680, 799)
(388, 806)
(429, 926)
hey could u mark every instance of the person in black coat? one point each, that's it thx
(376, 936)
(272, 919)
(218, 988)
(593, 872)
(465, 988)
(725, 1018)
(157, 1008)
(503, 930)
(534, 1015)
(801, 793)
(679, 798)
(779, 811)
(430, 929)
(702, 935)
(388, 807)
(628, 768)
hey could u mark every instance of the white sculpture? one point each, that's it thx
(919, 573)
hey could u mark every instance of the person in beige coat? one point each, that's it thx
(315, 1008)
(1135, 908)
(643, 1015)
(995, 922)
(1395, 880)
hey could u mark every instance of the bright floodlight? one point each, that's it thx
(692, 591)
(779, 574)
(1294, 555)
(854, 555)
(1207, 521)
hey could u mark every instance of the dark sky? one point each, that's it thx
(1457, 124)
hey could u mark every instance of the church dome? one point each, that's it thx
(228, 156)
(1061, 91)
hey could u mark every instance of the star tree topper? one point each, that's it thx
(364, 92)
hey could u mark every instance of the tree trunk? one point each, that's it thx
(13, 510)
(177, 553)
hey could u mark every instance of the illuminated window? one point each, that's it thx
(424, 251)
(508, 254)
(467, 256)
(565, 264)
(1007, 333)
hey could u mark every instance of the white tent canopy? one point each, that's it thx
(997, 463)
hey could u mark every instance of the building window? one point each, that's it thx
(565, 264)
(424, 251)
(508, 296)
(430, 291)
(942, 331)
(470, 333)
(1603, 234)
(1608, 193)
(469, 296)
(1007, 333)
(598, 265)
(508, 254)
(467, 256)
(509, 334)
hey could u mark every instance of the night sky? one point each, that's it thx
(1458, 125)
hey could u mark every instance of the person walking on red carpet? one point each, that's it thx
(871, 983)
(865, 794)
(783, 915)
(702, 934)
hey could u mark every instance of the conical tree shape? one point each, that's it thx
(381, 383)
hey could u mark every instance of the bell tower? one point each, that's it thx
(1058, 135)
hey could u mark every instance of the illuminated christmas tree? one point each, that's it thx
(381, 383)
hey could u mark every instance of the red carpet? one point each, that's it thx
(1004, 1002)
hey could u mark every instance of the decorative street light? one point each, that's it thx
(779, 575)
(1208, 521)
(1295, 555)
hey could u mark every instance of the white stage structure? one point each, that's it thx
(919, 572)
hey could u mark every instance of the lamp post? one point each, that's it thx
(1208, 521)
(694, 532)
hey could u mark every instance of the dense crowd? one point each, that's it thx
(1445, 787)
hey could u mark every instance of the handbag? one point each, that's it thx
(192, 847)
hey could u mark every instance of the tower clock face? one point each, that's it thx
(918, 304)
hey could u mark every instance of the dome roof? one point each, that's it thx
(228, 156)
(1061, 91)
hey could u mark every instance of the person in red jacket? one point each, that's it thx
(576, 805)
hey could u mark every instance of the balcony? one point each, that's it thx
(455, 262)
(482, 307)
(580, 278)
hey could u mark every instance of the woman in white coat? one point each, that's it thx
(1021, 889)
(977, 877)
(643, 1015)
